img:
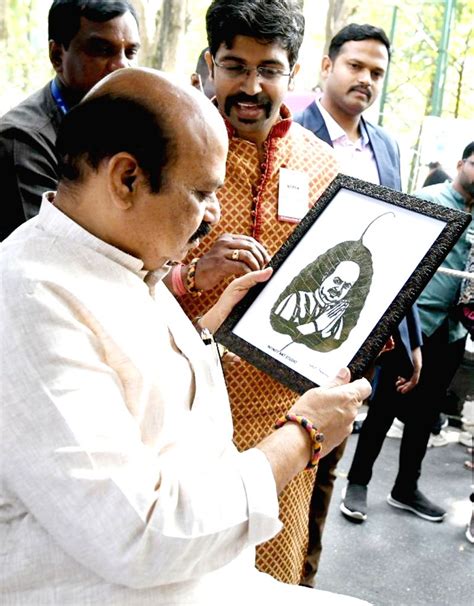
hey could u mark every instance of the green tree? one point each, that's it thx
(26, 64)
(173, 35)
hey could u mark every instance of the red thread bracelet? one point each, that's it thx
(191, 278)
(316, 436)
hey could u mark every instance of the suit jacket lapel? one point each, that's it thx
(388, 173)
(387, 167)
(313, 120)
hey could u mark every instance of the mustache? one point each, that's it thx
(260, 99)
(201, 231)
(362, 89)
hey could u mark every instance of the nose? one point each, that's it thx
(118, 61)
(251, 83)
(365, 77)
(212, 213)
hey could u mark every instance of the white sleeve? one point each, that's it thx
(72, 452)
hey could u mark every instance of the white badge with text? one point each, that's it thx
(293, 195)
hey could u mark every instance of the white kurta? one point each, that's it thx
(119, 482)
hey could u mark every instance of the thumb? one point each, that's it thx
(342, 378)
(252, 278)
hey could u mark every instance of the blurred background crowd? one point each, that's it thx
(428, 94)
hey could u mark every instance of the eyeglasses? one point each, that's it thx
(233, 71)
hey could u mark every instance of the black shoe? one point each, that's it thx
(418, 504)
(354, 502)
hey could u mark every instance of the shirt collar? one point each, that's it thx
(336, 131)
(55, 222)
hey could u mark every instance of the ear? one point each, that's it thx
(326, 66)
(291, 81)
(56, 55)
(123, 175)
(196, 82)
(210, 64)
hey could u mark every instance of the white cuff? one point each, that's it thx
(262, 497)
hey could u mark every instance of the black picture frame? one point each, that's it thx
(409, 239)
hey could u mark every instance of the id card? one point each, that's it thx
(293, 195)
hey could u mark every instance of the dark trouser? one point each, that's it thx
(438, 425)
(419, 409)
(318, 509)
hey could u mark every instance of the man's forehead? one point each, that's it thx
(242, 43)
(359, 47)
(106, 29)
(207, 140)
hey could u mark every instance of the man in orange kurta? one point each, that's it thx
(252, 72)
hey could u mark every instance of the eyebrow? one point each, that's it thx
(240, 60)
(96, 39)
(362, 62)
(216, 185)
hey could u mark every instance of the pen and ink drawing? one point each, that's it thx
(373, 292)
(322, 304)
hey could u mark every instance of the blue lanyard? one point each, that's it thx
(58, 97)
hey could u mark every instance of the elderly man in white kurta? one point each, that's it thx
(119, 482)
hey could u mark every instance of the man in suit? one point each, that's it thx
(353, 72)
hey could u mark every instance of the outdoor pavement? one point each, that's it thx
(396, 558)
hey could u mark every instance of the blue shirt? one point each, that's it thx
(438, 300)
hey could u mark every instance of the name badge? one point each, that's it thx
(293, 195)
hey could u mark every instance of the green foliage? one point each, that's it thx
(417, 36)
(26, 50)
(25, 65)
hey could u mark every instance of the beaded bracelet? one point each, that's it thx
(316, 436)
(191, 278)
(177, 280)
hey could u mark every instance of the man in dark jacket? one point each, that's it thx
(88, 39)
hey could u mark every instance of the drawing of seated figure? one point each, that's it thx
(322, 303)
(322, 311)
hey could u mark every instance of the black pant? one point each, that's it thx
(419, 409)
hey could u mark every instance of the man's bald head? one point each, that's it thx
(140, 111)
(142, 157)
(167, 94)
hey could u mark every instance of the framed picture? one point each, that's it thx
(341, 283)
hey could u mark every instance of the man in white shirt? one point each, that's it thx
(119, 482)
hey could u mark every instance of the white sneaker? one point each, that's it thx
(396, 430)
(440, 439)
(468, 410)
(466, 439)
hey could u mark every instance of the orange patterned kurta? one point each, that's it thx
(249, 206)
